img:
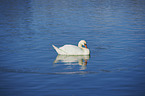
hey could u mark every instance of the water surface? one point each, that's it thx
(115, 34)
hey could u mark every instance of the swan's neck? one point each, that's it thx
(80, 45)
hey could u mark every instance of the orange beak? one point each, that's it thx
(85, 45)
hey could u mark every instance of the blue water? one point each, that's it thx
(115, 34)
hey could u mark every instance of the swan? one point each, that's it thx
(73, 50)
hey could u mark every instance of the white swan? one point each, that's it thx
(73, 50)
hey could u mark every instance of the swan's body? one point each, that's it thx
(73, 50)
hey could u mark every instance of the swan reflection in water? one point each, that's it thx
(73, 60)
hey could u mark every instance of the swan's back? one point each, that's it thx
(72, 50)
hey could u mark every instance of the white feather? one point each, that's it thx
(72, 49)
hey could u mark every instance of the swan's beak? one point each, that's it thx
(85, 45)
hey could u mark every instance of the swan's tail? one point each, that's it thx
(59, 51)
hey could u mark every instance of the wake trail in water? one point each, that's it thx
(49, 73)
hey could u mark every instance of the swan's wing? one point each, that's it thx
(72, 49)
(59, 51)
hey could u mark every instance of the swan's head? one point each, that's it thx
(82, 42)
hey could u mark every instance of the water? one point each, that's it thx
(115, 34)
